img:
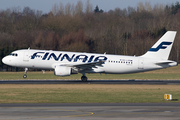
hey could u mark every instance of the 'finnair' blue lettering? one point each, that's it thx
(161, 46)
(54, 56)
(82, 57)
(67, 57)
(62, 57)
(99, 58)
(45, 56)
(91, 58)
(35, 54)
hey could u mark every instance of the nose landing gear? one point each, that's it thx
(25, 72)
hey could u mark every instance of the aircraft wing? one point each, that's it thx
(85, 66)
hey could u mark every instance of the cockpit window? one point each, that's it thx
(13, 54)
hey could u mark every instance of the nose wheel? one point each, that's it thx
(24, 76)
(25, 73)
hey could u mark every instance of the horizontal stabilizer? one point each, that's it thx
(167, 63)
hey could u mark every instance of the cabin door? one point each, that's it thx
(26, 56)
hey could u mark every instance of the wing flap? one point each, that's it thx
(87, 65)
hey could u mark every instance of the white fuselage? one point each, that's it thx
(116, 64)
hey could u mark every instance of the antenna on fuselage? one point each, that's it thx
(29, 48)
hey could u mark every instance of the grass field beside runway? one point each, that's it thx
(87, 93)
(164, 74)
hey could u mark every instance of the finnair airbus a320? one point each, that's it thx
(67, 63)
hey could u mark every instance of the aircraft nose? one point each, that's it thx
(5, 60)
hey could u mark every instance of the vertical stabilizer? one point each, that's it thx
(161, 49)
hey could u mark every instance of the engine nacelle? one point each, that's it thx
(63, 71)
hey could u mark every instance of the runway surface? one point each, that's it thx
(113, 111)
(91, 111)
(156, 82)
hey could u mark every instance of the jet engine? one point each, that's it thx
(64, 71)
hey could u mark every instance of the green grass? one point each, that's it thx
(87, 93)
(169, 73)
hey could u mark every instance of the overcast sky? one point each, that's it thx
(106, 5)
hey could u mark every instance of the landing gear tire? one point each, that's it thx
(84, 78)
(24, 76)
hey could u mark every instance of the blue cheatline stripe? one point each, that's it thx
(160, 46)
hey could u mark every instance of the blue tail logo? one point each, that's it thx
(161, 46)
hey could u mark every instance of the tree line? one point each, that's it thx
(80, 27)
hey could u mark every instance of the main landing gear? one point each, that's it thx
(84, 78)
(25, 72)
